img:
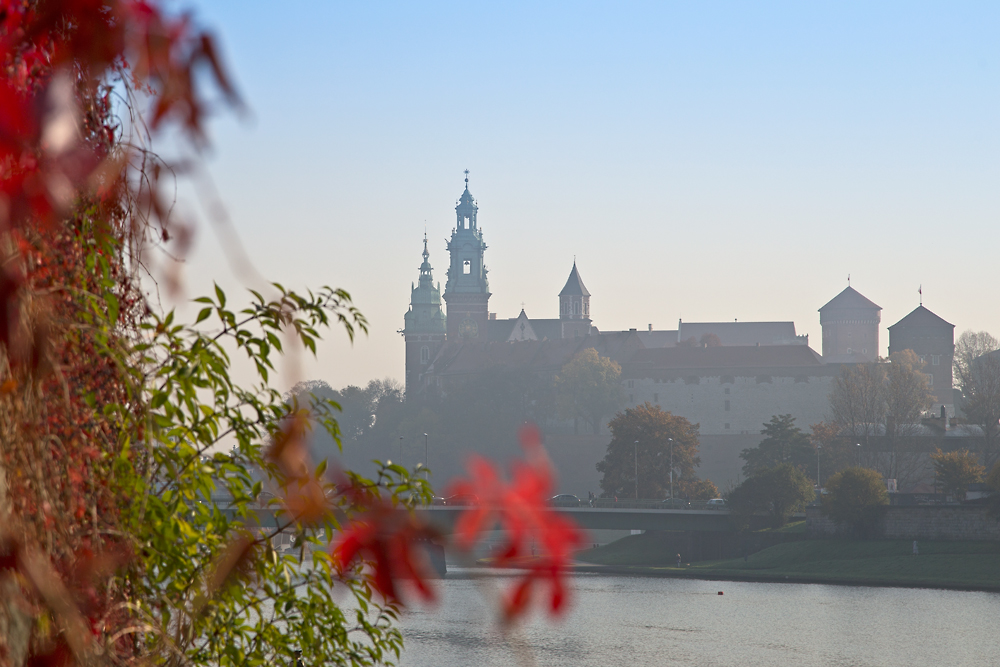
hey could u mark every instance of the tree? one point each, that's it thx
(855, 497)
(977, 374)
(955, 471)
(857, 402)
(784, 442)
(121, 427)
(778, 491)
(653, 429)
(835, 452)
(589, 388)
(906, 399)
(879, 405)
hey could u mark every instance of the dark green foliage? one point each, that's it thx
(652, 428)
(783, 442)
(778, 492)
(856, 497)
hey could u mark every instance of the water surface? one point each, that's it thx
(639, 621)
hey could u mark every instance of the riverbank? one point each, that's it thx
(952, 565)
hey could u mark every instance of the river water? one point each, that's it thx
(639, 621)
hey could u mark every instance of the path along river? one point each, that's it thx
(640, 621)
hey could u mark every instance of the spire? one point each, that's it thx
(574, 285)
(425, 267)
(466, 209)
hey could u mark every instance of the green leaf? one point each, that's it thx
(220, 295)
(203, 315)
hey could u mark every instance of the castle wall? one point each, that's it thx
(735, 405)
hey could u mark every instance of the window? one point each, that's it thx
(467, 267)
(930, 380)
(425, 354)
(631, 383)
(935, 360)
(727, 391)
(727, 405)
(864, 351)
(848, 350)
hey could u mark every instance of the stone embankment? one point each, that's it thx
(918, 522)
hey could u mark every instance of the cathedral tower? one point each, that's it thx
(467, 291)
(574, 306)
(424, 329)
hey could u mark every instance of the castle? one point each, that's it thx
(729, 377)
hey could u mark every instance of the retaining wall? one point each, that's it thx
(917, 522)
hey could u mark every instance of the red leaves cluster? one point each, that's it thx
(386, 537)
(57, 131)
(521, 509)
(390, 539)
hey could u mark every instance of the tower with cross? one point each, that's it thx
(467, 291)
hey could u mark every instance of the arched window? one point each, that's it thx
(425, 354)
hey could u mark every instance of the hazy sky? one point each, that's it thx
(704, 161)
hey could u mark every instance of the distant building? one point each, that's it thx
(424, 328)
(467, 291)
(728, 377)
(933, 340)
(850, 328)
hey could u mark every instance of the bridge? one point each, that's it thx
(595, 518)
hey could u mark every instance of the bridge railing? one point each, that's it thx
(647, 504)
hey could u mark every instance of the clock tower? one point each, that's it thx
(467, 291)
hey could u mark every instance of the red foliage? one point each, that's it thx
(521, 509)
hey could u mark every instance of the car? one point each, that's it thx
(675, 504)
(564, 500)
(437, 500)
(716, 504)
(462, 500)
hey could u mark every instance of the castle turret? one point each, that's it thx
(933, 339)
(425, 324)
(574, 306)
(467, 291)
(850, 328)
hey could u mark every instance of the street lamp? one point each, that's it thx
(818, 484)
(859, 454)
(671, 441)
(636, 447)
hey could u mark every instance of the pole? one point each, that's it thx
(859, 454)
(400, 450)
(671, 441)
(636, 446)
(818, 484)
(427, 462)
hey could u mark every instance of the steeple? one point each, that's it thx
(425, 324)
(467, 291)
(574, 306)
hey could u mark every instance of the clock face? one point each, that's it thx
(468, 328)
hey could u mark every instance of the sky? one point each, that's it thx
(705, 161)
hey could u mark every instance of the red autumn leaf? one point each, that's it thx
(389, 539)
(522, 511)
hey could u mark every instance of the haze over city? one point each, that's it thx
(709, 163)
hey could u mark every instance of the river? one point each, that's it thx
(640, 621)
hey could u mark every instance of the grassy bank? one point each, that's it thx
(963, 565)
